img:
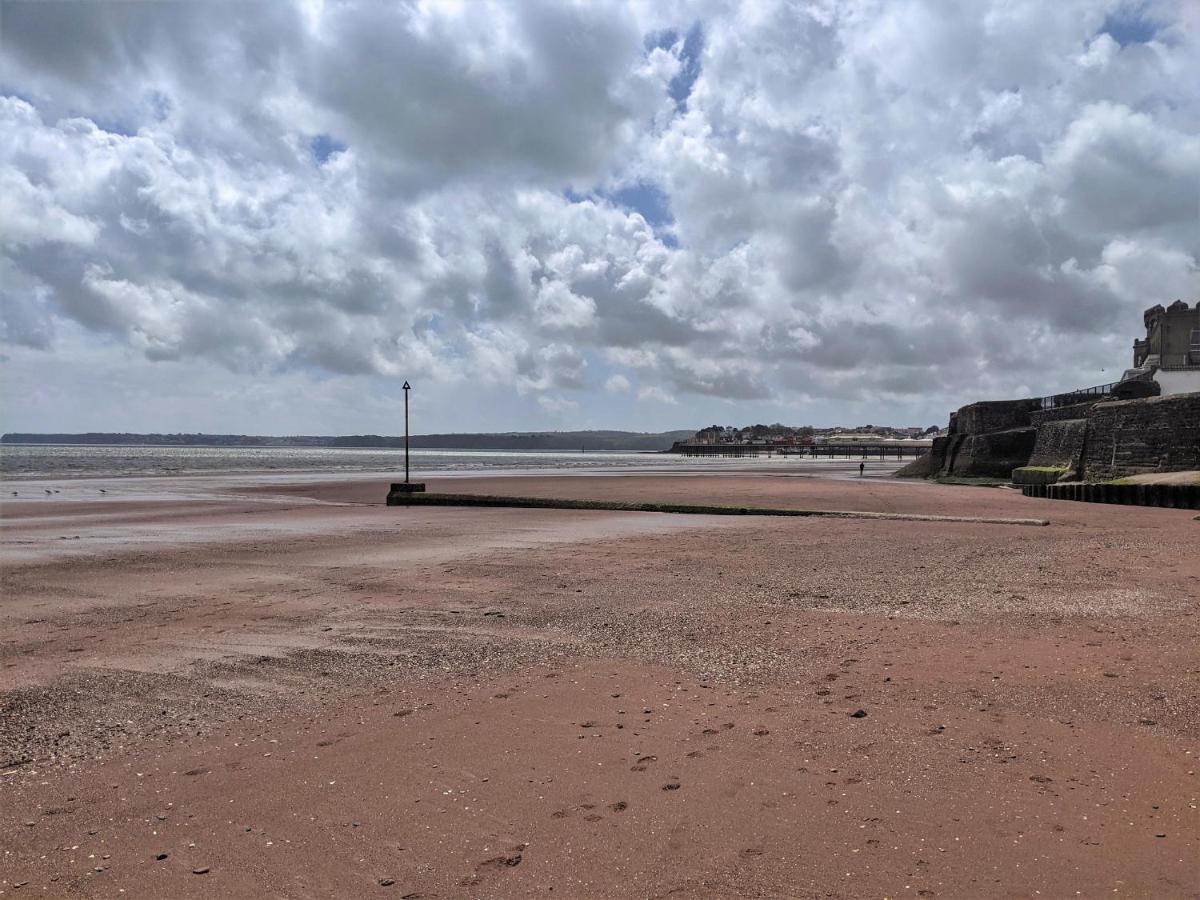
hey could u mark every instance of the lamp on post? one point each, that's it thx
(403, 489)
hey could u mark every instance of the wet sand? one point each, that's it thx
(296, 691)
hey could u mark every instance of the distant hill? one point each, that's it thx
(516, 440)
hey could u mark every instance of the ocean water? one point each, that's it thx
(21, 461)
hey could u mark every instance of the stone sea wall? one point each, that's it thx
(1134, 437)
(994, 415)
(1095, 440)
(1075, 411)
(986, 440)
(1060, 443)
(992, 455)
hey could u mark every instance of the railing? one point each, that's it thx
(1082, 395)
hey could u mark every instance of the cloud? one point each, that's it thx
(557, 405)
(815, 210)
(546, 92)
(656, 395)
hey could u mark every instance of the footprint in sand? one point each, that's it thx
(642, 763)
(495, 864)
(500, 862)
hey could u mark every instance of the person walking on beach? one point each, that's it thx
(861, 467)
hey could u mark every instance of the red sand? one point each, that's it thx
(327, 697)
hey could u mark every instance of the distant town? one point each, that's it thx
(784, 436)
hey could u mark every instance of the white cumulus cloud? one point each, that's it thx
(806, 211)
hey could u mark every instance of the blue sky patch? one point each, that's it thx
(646, 198)
(113, 126)
(160, 105)
(1130, 26)
(323, 147)
(680, 87)
(642, 197)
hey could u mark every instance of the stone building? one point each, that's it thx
(1171, 350)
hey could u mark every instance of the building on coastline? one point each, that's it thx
(1170, 353)
(854, 438)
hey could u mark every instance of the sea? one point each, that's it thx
(50, 461)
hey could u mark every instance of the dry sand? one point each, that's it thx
(296, 691)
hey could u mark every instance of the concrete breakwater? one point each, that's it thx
(397, 498)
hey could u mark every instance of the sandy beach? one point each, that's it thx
(223, 687)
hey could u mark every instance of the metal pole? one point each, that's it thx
(406, 390)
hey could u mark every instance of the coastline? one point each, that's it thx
(498, 701)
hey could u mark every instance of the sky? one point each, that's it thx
(264, 217)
